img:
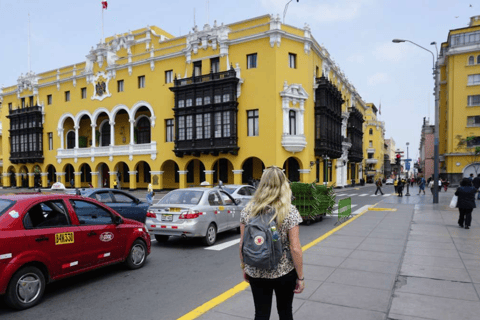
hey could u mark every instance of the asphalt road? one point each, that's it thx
(179, 276)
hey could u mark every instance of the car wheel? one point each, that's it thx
(137, 256)
(26, 288)
(161, 238)
(211, 235)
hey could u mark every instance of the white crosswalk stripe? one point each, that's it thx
(335, 212)
(363, 195)
(353, 194)
(362, 209)
(224, 245)
(341, 195)
(374, 195)
(386, 195)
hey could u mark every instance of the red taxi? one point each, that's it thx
(49, 237)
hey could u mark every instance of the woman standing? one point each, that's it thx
(287, 278)
(466, 202)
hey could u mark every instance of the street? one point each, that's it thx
(179, 276)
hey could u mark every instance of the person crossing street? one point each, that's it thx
(476, 184)
(379, 186)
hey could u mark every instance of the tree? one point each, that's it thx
(470, 147)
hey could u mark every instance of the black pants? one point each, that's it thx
(465, 214)
(400, 191)
(379, 189)
(262, 290)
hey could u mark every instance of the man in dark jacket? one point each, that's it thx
(476, 184)
(466, 202)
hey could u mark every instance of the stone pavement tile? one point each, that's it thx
(393, 316)
(367, 279)
(322, 260)
(215, 315)
(370, 265)
(376, 256)
(380, 247)
(471, 234)
(353, 232)
(474, 274)
(319, 273)
(388, 235)
(339, 238)
(431, 245)
(318, 310)
(477, 287)
(472, 263)
(334, 243)
(310, 287)
(337, 252)
(433, 261)
(437, 288)
(469, 255)
(434, 307)
(351, 296)
(422, 237)
(435, 272)
(432, 252)
(388, 242)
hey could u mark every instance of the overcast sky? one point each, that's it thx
(357, 33)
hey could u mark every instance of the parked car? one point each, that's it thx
(194, 212)
(121, 201)
(44, 238)
(389, 181)
(240, 191)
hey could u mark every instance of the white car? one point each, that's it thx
(389, 181)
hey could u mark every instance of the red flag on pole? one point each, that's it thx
(104, 4)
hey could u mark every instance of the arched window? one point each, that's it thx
(471, 60)
(105, 134)
(293, 122)
(143, 130)
(70, 140)
(370, 131)
(478, 59)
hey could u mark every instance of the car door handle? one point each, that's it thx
(41, 239)
(92, 233)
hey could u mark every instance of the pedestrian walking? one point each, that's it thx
(287, 278)
(446, 183)
(401, 183)
(421, 186)
(430, 185)
(471, 177)
(395, 185)
(476, 184)
(379, 186)
(466, 202)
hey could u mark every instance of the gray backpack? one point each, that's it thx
(262, 246)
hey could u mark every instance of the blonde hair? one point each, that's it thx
(273, 191)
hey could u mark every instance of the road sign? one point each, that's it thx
(407, 160)
(407, 166)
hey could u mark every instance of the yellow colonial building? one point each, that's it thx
(373, 144)
(458, 90)
(221, 103)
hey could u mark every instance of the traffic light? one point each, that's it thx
(397, 160)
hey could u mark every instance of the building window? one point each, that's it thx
(292, 116)
(207, 127)
(252, 123)
(474, 141)
(50, 141)
(169, 130)
(370, 144)
(471, 60)
(70, 140)
(189, 127)
(218, 98)
(474, 100)
(67, 95)
(215, 65)
(206, 100)
(226, 123)
(169, 76)
(189, 103)
(120, 86)
(218, 124)
(199, 126)
(181, 128)
(473, 121)
(23, 103)
(292, 60)
(181, 103)
(197, 68)
(30, 101)
(141, 82)
(105, 134)
(49, 99)
(478, 59)
(143, 128)
(9, 106)
(370, 131)
(473, 79)
(226, 97)
(83, 93)
(251, 61)
(198, 101)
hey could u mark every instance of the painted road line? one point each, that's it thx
(353, 194)
(224, 245)
(363, 195)
(341, 195)
(362, 209)
(335, 205)
(207, 306)
(387, 194)
(335, 212)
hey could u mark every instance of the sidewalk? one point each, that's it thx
(410, 264)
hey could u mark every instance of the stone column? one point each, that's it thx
(209, 176)
(305, 175)
(94, 134)
(112, 133)
(182, 178)
(18, 178)
(133, 180)
(237, 176)
(78, 179)
(6, 179)
(60, 178)
(94, 179)
(31, 179)
(44, 176)
(132, 127)
(76, 136)
(62, 139)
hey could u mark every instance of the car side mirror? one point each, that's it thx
(117, 220)
(238, 201)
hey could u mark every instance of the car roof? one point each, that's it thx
(192, 189)
(35, 196)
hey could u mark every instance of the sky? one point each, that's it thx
(357, 33)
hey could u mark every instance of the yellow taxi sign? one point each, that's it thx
(64, 238)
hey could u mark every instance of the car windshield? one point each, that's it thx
(182, 197)
(4, 205)
(229, 190)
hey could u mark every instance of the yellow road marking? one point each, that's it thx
(207, 306)
(382, 209)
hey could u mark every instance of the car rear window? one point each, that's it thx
(182, 197)
(5, 205)
(229, 190)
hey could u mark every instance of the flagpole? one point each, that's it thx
(29, 63)
(103, 37)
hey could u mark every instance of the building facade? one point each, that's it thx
(426, 150)
(373, 144)
(458, 92)
(148, 107)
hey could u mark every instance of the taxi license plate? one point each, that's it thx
(167, 217)
(174, 209)
(64, 238)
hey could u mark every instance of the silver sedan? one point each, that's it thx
(194, 212)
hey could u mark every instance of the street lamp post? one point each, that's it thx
(285, 10)
(407, 166)
(437, 121)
